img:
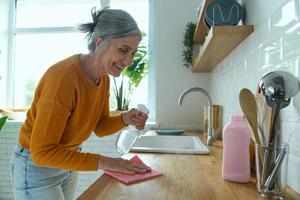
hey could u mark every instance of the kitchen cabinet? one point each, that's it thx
(217, 42)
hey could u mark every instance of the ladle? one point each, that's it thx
(278, 87)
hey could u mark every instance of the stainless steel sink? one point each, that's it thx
(169, 144)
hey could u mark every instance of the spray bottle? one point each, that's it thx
(143, 109)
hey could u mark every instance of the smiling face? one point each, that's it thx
(117, 55)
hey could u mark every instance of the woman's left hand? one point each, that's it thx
(135, 117)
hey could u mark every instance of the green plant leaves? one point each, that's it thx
(139, 69)
(2, 121)
(120, 95)
(188, 43)
(135, 73)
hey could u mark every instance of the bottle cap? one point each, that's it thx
(143, 108)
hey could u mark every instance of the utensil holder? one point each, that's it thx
(271, 170)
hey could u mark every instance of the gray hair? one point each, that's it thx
(109, 24)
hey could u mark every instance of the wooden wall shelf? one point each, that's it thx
(219, 42)
(201, 29)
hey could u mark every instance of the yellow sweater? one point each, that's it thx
(66, 109)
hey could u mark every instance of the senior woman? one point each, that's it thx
(71, 101)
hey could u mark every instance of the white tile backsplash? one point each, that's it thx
(260, 34)
(274, 45)
(284, 18)
(291, 41)
(294, 172)
(271, 53)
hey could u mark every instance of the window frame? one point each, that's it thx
(13, 31)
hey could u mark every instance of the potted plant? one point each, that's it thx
(188, 44)
(131, 77)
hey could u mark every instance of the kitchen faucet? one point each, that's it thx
(210, 132)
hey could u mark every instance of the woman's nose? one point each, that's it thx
(128, 60)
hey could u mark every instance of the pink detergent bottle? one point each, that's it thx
(236, 160)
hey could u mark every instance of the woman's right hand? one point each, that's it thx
(121, 165)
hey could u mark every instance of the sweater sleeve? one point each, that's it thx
(46, 134)
(108, 124)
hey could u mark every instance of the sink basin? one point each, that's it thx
(170, 144)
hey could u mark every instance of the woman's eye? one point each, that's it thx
(124, 50)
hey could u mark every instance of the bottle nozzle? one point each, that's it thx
(143, 108)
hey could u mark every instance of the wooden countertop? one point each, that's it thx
(188, 177)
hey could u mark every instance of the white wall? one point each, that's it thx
(4, 15)
(172, 77)
(274, 45)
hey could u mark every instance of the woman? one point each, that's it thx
(71, 101)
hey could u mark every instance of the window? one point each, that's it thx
(139, 9)
(45, 32)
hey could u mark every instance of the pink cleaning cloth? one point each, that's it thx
(129, 179)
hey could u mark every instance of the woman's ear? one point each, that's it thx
(98, 40)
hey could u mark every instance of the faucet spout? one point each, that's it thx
(210, 132)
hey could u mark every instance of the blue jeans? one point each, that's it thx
(31, 182)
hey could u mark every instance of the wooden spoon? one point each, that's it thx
(264, 113)
(248, 105)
